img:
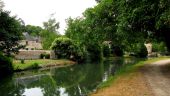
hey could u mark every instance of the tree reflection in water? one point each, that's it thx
(76, 80)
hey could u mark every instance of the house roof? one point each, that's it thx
(28, 37)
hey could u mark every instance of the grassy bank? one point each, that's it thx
(40, 63)
(127, 69)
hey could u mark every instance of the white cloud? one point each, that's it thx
(35, 12)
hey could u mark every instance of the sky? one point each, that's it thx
(35, 12)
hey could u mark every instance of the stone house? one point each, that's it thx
(31, 42)
(33, 48)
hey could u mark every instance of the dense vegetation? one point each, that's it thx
(68, 49)
(5, 65)
(127, 23)
(50, 29)
(10, 34)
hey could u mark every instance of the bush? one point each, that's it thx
(141, 51)
(34, 66)
(47, 56)
(42, 55)
(5, 65)
(22, 61)
(80, 54)
(159, 47)
(63, 47)
(95, 52)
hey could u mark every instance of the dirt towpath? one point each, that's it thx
(150, 80)
(157, 75)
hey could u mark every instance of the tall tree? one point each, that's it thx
(147, 18)
(10, 33)
(51, 25)
(49, 33)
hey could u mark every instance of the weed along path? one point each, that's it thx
(158, 77)
(152, 79)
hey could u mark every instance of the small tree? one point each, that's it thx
(66, 48)
(50, 32)
(63, 47)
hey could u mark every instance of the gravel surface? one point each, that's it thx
(158, 77)
(151, 80)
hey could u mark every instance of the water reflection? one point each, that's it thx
(33, 92)
(77, 80)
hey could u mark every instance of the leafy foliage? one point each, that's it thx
(141, 51)
(127, 23)
(47, 38)
(51, 25)
(5, 65)
(67, 48)
(63, 47)
(159, 47)
(49, 33)
(33, 30)
(10, 33)
(144, 18)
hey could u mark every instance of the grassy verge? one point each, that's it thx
(40, 63)
(125, 70)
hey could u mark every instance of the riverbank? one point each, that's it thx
(129, 81)
(40, 63)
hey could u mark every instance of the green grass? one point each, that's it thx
(125, 70)
(34, 64)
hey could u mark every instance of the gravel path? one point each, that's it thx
(152, 80)
(158, 77)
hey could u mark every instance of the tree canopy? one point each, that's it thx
(51, 25)
(33, 30)
(124, 22)
(49, 33)
(10, 33)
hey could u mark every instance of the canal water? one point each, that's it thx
(75, 80)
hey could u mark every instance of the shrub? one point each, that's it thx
(47, 56)
(22, 61)
(63, 47)
(42, 55)
(34, 66)
(80, 54)
(66, 48)
(95, 52)
(141, 51)
(159, 47)
(5, 65)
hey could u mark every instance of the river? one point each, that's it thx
(75, 80)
